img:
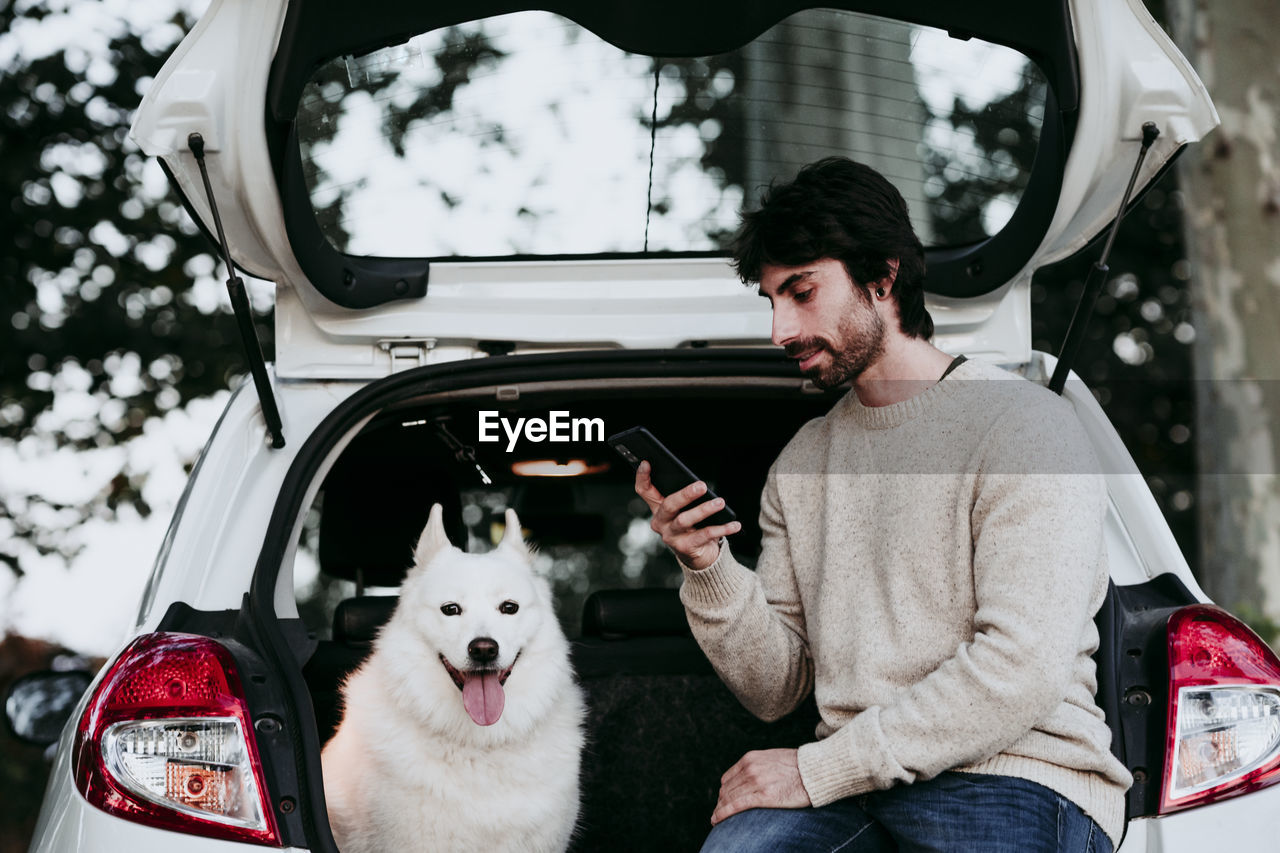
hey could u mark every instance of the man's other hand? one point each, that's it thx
(696, 547)
(763, 779)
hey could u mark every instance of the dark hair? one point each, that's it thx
(836, 208)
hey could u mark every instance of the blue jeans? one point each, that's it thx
(951, 813)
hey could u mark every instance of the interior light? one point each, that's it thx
(557, 468)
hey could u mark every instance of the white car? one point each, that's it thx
(497, 237)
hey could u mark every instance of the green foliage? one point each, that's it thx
(1263, 625)
(1136, 356)
(1008, 140)
(99, 263)
(462, 55)
(107, 290)
(708, 89)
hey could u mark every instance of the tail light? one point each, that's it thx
(167, 741)
(1224, 710)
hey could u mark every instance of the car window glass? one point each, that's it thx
(526, 134)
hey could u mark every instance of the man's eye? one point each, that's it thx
(803, 295)
(508, 607)
(450, 609)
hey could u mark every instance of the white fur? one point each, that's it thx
(408, 769)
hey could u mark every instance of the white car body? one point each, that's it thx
(215, 84)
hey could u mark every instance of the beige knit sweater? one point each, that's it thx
(930, 569)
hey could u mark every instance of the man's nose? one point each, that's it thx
(784, 325)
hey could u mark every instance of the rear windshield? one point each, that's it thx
(525, 134)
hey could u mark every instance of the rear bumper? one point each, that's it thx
(1248, 822)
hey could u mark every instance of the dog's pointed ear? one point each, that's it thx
(433, 539)
(513, 538)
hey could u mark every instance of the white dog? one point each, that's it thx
(463, 729)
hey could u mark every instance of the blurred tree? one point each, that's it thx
(322, 110)
(1005, 135)
(1137, 354)
(1233, 229)
(107, 292)
(112, 303)
(708, 93)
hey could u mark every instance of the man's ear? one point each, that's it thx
(433, 539)
(890, 277)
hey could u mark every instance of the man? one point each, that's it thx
(931, 563)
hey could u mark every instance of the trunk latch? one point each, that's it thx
(406, 353)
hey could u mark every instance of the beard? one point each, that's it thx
(859, 344)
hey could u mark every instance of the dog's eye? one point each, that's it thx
(508, 607)
(450, 609)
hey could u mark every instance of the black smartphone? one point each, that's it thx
(666, 471)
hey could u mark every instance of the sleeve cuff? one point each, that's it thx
(844, 764)
(717, 584)
(826, 775)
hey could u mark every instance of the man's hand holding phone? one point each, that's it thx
(689, 518)
(675, 521)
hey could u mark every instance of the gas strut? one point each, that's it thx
(243, 311)
(1097, 275)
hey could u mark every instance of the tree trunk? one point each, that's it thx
(1231, 185)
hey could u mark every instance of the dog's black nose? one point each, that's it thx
(483, 650)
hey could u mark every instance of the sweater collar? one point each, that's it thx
(896, 414)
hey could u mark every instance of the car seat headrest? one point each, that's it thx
(619, 613)
(358, 620)
(371, 518)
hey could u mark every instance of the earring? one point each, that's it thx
(880, 292)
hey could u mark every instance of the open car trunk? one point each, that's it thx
(448, 177)
(356, 497)
(661, 727)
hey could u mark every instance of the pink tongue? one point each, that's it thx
(482, 696)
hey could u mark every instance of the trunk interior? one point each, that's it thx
(661, 728)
